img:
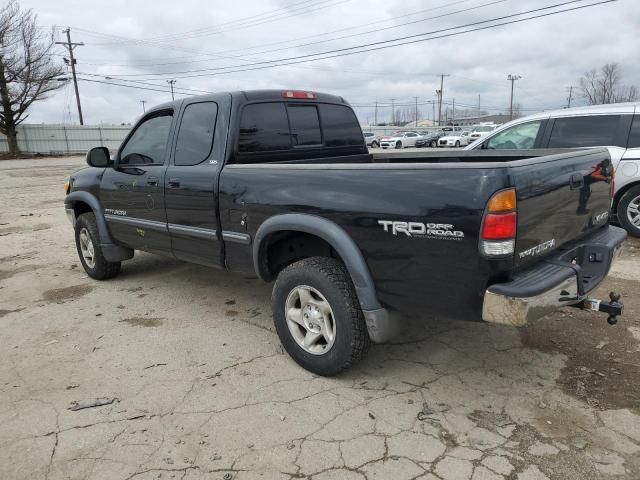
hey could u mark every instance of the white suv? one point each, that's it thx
(615, 126)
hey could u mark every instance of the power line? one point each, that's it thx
(381, 45)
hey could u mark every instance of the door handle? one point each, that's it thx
(152, 181)
(173, 183)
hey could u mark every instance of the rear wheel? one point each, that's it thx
(374, 144)
(89, 250)
(629, 211)
(318, 317)
(434, 144)
(398, 144)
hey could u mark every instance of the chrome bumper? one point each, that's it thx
(519, 310)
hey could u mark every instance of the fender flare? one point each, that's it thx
(94, 203)
(331, 233)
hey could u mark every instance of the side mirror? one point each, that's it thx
(98, 157)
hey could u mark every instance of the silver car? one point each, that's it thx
(371, 139)
(615, 126)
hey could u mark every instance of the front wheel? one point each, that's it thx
(434, 144)
(628, 211)
(457, 143)
(318, 317)
(89, 250)
(374, 145)
(398, 144)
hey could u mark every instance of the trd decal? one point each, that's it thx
(444, 231)
(111, 211)
(538, 249)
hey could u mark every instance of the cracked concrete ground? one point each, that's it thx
(200, 388)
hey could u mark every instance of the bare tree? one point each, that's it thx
(27, 71)
(605, 86)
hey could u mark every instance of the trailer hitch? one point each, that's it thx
(614, 307)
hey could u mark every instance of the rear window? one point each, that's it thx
(264, 127)
(340, 126)
(305, 125)
(591, 131)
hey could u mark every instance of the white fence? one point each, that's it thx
(60, 139)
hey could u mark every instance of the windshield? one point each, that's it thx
(367, 134)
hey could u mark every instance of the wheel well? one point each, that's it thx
(620, 193)
(282, 248)
(80, 207)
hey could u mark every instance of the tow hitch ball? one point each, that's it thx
(614, 308)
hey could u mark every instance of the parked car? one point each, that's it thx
(400, 140)
(615, 126)
(371, 139)
(280, 185)
(481, 131)
(429, 139)
(455, 139)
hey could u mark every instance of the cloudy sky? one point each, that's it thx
(216, 46)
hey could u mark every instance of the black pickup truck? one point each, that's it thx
(280, 184)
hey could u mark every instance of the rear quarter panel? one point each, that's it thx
(414, 274)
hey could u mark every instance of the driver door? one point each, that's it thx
(132, 192)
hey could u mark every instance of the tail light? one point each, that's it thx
(499, 225)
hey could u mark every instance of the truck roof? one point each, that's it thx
(243, 96)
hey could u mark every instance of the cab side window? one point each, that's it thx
(586, 131)
(518, 137)
(195, 137)
(148, 144)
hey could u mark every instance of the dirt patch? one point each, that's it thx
(66, 294)
(144, 321)
(7, 312)
(4, 274)
(22, 229)
(603, 363)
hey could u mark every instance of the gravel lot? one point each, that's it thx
(197, 385)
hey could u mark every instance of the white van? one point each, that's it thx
(616, 126)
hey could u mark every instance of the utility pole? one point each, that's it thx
(440, 93)
(433, 111)
(453, 113)
(416, 98)
(512, 79)
(171, 84)
(69, 45)
(478, 105)
(375, 114)
(393, 112)
(571, 87)
(144, 110)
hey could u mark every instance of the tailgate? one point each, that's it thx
(560, 198)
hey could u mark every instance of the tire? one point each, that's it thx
(96, 266)
(326, 281)
(628, 211)
(374, 144)
(398, 145)
(457, 143)
(434, 144)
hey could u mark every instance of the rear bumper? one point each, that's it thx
(555, 282)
